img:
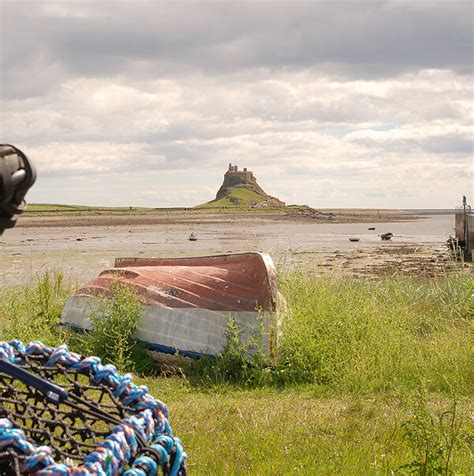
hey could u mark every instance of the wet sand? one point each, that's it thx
(188, 216)
(82, 246)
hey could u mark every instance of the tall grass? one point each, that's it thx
(355, 335)
(343, 335)
(372, 377)
(33, 312)
(114, 323)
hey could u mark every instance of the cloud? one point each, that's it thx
(454, 140)
(154, 39)
(94, 158)
(324, 101)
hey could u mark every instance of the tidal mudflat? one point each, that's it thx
(83, 246)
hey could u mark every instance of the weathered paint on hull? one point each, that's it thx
(189, 301)
(190, 331)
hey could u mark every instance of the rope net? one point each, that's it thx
(72, 415)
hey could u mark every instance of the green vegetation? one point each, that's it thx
(267, 431)
(39, 207)
(372, 377)
(238, 201)
(55, 209)
(114, 323)
(32, 312)
(238, 197)
(230, 205)
(354, 335)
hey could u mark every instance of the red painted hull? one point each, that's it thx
(243, 282)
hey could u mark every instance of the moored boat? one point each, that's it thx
(188, 301)
(386, 236)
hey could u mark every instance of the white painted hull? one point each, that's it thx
(189, 331)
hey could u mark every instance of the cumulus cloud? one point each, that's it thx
(330, 103)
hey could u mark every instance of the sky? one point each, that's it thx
(329, 103)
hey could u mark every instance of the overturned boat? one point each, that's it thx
(188, 302)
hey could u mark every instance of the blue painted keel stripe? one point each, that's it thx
(173, 350)
(156, 347)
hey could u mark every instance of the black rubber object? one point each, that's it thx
(17, 175)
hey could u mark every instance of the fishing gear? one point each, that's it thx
(62, 414)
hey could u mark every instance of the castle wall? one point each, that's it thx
(243, 175)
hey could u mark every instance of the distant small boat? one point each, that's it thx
(371, 228)
(192, 237)
(386, 236)
(354, 239)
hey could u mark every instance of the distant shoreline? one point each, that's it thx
(432, 211)
(59, 209)
(72, 217)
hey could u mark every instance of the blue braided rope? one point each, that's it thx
(120, 447)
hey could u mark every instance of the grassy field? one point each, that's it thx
(236, 198)
(239, 201)
(225, 205)
(57, 209)
(372, 377)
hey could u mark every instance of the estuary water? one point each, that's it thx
(82, 252)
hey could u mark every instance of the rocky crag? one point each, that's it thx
(235, 179)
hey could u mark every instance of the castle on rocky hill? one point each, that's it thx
(239, 178)
(235, 178)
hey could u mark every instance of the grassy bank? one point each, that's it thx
(372, 377)
(376, 336)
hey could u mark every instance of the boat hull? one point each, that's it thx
(189, 302)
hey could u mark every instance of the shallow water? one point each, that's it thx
(429, 229)
(83, 252)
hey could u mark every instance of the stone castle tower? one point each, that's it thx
(239, 178)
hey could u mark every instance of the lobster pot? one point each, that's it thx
(62, 413)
